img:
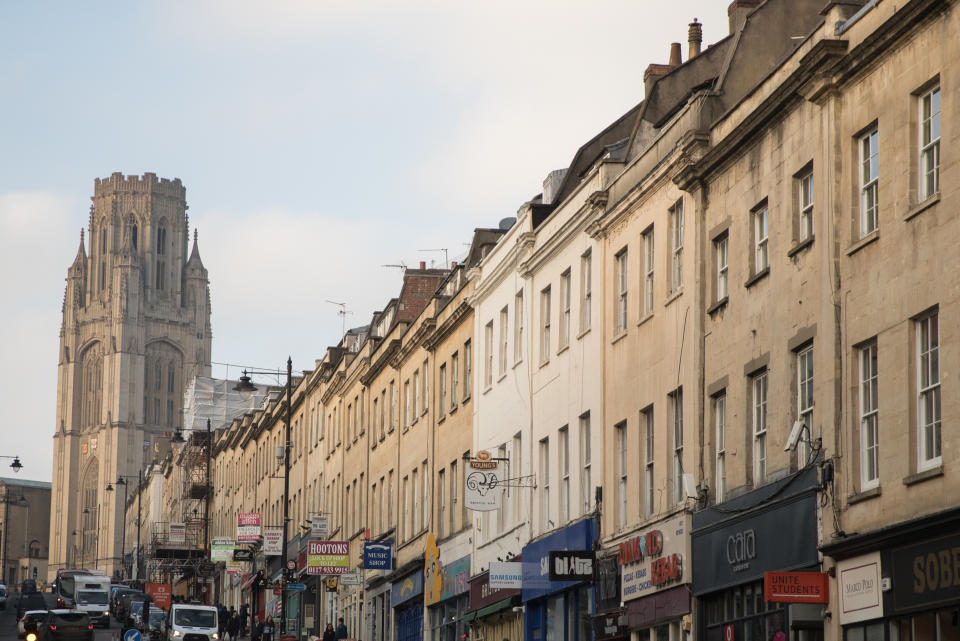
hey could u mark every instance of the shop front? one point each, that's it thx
(406, 599)
(491, 614)
(655, 580)
(446, 593)
(558, 610)
(901, 584)
(610, 618)
(770, 530)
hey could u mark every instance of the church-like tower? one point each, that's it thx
(136, 327)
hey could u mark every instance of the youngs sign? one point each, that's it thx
(654, 560)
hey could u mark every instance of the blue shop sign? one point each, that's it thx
(536, 555)
(406, 588)
(378, 556)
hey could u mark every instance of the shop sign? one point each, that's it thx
(248, 526)
(160, 593)
(741, 549)
(505, 575)
(234, 568)
(483, 594)
(926, 574)
(571, 565)
(858, 587)
(351, 578)
(536, 558)
(654, 560)
(406, 588)
(481, 485)
(330, 583)
(796, 587)
(272, 541)
(243, 554)
(178, 534)
(610, 626)
(443, 580)
(378, 556)
(328, 557)
(319, 525)
(607, 583)
(221, 548)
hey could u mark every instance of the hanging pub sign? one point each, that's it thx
(481, 491)
(330, 583)
(571, 565)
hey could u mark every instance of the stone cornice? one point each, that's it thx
(449, 324)
(487, 282)
(380, 359)
(411, 343)
(560, 238)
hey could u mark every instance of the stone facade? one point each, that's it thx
(26, 530)
(136, 326)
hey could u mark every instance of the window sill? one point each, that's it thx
(866, 495)
(563, 349)
(515, 363)
(644, 318)
(677, 293)
(501, 377)
(800, 246)
(441, 419)
(618, 337)
(583, 332)
(756, 278)
(424, 412)
(922, 206)
(863, 242)
(919, 477)
(544, 363)
(466, 399)
(487, 389)
(717, 306)
(453, 410)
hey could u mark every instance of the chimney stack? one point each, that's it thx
(423, 264)
(694, 38)
(738, 10)
(675, 60)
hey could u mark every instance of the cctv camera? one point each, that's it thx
(794, 438)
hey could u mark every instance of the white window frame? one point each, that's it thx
(544, 484)
(467, 369)
(622, 275)
(545, 325)
(586, 290)
(676, 400)
(586, 499)
(676, 246)
(488, 347)
(621, 461)
(563, 443)
(805, 187)
(518, 327)
(648, 266)
(454, 380)
(649, 480)
(758, 386)
(441, 503)
(929, 445)
(720, 434)
(721, 248)
(502, 346)
(443, 390)
(761, 238)
(869, 172)
(929, 133)
(805, 401)
(564, 339)
(869, 418)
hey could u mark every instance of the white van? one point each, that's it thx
(192, 622)
(91, 594)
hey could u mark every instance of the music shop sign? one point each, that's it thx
(656, 559)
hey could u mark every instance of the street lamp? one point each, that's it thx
(121, 480)
(16, 466)
(244, 385)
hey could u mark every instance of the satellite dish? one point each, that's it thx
(794, 438)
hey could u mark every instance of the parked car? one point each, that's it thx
(121, 602)
(3, 597)
(27, 624)
(65, 625)
(33, 601)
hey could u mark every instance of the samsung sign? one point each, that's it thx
(505, 576)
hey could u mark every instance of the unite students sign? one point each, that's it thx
(796, 587)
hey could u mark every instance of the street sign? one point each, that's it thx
(132, 635)
(291, 565)
(296, 587)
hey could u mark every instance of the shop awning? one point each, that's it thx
(490, 609)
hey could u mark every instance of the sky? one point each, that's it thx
(318, 140)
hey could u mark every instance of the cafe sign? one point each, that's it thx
(859, 588)
(654, 560)
(926, 574)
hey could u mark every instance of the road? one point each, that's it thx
(8, 622)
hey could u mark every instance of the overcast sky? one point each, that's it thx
(318, 141)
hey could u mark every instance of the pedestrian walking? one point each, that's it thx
(329, 634)
(341, 632)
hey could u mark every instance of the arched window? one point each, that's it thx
(34, 549)
(133, 236)
(162, 399)
(161, 275)
(91, 390)
(88, 506)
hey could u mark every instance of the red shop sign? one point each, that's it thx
(796, 587)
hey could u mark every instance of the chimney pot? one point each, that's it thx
(694, 38)
(423, 264)
(675, 60)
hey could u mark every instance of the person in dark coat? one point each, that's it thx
(329, 634)
(341, 632)
(244, 619)
(256, 629)
(268, 629)
(233, 626)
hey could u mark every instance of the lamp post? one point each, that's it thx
(244, 385)
(121, 480)
(16, 466)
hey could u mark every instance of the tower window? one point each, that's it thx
(133, 237)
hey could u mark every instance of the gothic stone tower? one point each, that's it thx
(136, 327)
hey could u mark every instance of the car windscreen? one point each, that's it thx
(91, 597)
(157, 615)
(195, 618)
(69, 618)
